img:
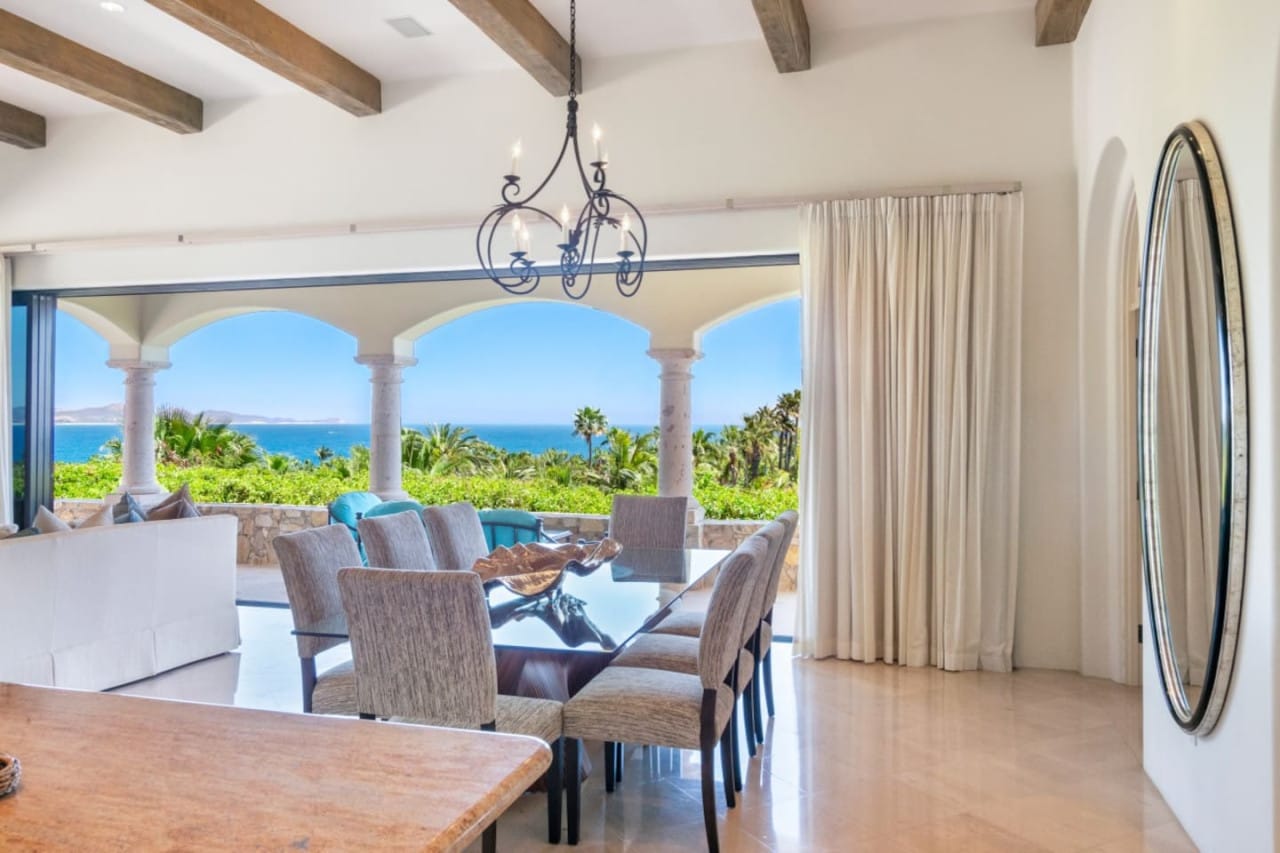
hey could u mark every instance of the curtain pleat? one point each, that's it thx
(909, 450)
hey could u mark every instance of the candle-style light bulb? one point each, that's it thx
(624, 231)
(516, 151)
(524, 240)
(564, 224)
(516, 228)
(596, 134)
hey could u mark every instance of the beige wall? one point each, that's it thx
(1141, 67)
(940, 102)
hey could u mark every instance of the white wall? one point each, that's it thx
(1141, 67)
(955, 101)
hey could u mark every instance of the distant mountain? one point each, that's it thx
(114, 414)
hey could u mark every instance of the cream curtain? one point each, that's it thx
(909, 477)
(1188, 410)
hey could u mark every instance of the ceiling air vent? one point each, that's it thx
(408, 27)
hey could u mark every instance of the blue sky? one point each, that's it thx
(526, 363)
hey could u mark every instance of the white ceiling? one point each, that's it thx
(158, 44)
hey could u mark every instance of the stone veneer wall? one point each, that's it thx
(260, 523)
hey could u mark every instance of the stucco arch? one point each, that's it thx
(108, 317)
(169, 318)
(1110, 594)
(742, 311)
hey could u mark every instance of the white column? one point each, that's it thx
(675, 422)
(139, 451)
(384, 423)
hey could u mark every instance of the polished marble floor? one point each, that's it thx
(859, 757)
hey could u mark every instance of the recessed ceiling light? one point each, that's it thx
(408, 27)
(110, 6)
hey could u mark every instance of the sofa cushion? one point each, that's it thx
(104, 517)
(177, 509)
(47, 522)
(178, 495)
(128, 511)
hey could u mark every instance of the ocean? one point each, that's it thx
(79, 442)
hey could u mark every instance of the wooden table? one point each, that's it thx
(110, 772)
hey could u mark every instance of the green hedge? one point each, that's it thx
(318, 486)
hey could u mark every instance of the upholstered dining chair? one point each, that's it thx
(688, 623)
(457, 538)
(664, 708)
(397, 541)
(423, 652)
(640, 521)
(309, 562)
(679, 653)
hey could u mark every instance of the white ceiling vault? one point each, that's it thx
(158, 44)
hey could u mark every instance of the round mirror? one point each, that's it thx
(1192, 429)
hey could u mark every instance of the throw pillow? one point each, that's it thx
(25, 532)
(47, 522)
(7, 530)
(182, 493)
(128, 510)
(177, 509)
(104, 517)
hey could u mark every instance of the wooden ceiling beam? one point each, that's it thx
(1058, 21)
(21, 127)
(254, 31)
(527, 37)
(42, 53)
(786, 29)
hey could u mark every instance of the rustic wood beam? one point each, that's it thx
(252, 30)
(21, 127)
(527, 37)
(41, 53)
(786, 29)
(1058, 21)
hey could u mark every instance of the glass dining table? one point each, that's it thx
(551, 645)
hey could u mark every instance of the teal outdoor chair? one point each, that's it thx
(508, 527)
(392, 507)
(349, 508)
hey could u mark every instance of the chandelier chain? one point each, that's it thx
(573, 48)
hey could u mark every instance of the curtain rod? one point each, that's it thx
(393, 226)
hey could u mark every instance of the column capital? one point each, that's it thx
(678, 358)
(386, 360)
(140, 364)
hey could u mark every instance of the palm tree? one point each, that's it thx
(628, 460)
(588, 423)
(324, 453)
(184, 439)
(731, 440)
(446, 450)
(787, 414)
(758, 437)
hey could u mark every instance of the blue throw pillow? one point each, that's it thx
(128, 510)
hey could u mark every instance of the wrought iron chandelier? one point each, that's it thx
(580, 237)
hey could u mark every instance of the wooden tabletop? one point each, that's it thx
(110, 772)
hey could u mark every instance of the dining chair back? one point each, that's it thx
(309, 563)
(509, 527)
(456, 536)
(422, 646)
(773, 535)
(642, 521)
(397, 541)
(722, 632)
(789, 520)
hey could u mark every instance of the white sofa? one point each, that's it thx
(101, 607)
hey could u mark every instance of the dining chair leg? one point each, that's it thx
(555, 790)
(365, 716)
(707, 741)
(573, 795)
(308, 682)
(618, 762)
(726, 769)
(610, 760)
(489, 841)
(748, 721)
(768, 679)
(733, 732)
(757, 708)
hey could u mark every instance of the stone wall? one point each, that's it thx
(260, 523)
